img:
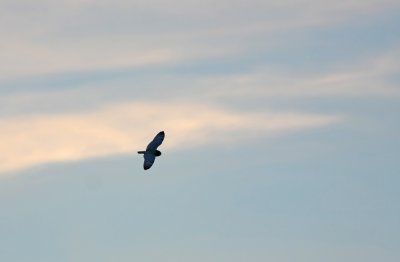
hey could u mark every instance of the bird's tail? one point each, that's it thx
(141, 152)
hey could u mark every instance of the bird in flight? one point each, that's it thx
(151, 151)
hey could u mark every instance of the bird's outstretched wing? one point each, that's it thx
(158, 139)
(148, 160)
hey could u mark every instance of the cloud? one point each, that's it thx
(41, 139)
(27, 58)
(48, 37)
(369, 77)
(103, 36)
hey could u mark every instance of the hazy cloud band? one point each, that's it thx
(41, 139)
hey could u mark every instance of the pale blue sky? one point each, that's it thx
(281, 120)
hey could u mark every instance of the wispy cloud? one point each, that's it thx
(81, 36)
(369, 77)
(40, 139)
(28, 58)
(48, 37)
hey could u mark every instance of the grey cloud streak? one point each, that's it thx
(69, 36)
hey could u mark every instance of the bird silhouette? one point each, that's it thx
(151, 150)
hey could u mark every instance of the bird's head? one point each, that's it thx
(158, 153)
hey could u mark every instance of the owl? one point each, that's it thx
(151, 151)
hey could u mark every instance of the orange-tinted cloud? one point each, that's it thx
(41, 139)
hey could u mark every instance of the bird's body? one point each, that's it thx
(151, 151)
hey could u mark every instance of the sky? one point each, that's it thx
(281, 121)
